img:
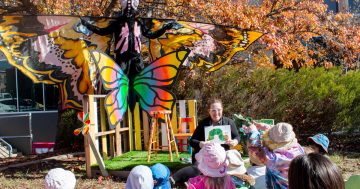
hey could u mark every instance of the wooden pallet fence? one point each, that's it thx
(132, 134)
(183, 108)
(99, 132)
(140, 123)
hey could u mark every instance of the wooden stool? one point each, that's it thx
(155, 115)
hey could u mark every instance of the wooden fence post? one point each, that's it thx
(103, 128)
(146, 129)
(118, 140)
(137, 127)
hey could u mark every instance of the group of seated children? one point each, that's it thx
(278, 162)
(287, 163)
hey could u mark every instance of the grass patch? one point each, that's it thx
(128, 160)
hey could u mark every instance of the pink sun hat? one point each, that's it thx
(212, 160)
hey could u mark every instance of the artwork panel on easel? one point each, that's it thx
(218, 134)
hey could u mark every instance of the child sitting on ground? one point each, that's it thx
(161, 174)
(60, 178)
(257, 170)
(212, 164)
(237, 170)
(278, 148)
(313, 171)
(140, 177)
(318, 143)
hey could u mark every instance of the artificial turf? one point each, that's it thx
(128, 160)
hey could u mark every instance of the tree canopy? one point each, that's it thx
(299, 33)
(290, 27)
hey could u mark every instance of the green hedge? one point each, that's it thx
(313, 100)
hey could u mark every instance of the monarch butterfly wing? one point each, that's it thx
(113, 79)
(233, 41)
(52, 50)
(151, 83)
(212, 46)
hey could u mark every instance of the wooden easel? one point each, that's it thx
(155, 115)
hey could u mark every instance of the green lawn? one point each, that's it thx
(131, 159)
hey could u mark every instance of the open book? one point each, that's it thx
(218, 134)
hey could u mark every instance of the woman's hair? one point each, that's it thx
(212, 101)
(314, 171)
(217, 182)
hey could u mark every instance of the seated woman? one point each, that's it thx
(197, 140)
(215, 118)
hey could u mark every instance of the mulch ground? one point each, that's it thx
(32, 176)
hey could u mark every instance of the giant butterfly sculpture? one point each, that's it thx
(70, 52)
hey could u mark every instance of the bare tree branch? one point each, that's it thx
(29, 7)
(109, 8)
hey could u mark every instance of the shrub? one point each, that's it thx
(313, 99)
(65, 139)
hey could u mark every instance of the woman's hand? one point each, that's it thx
(232, 143)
